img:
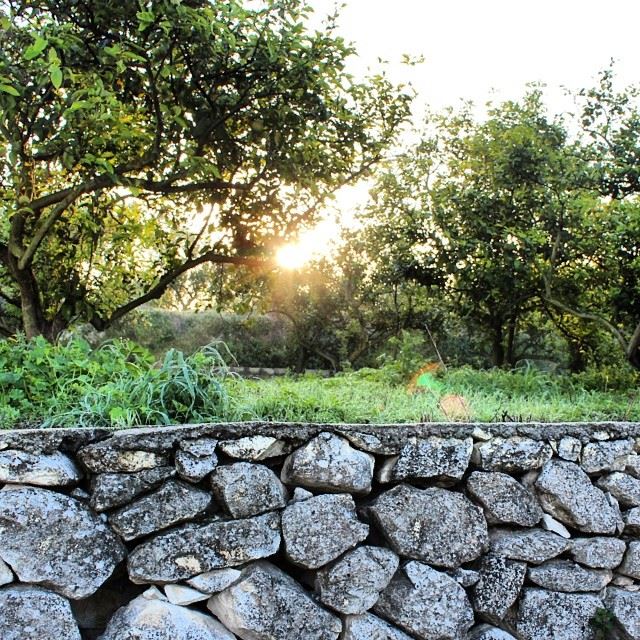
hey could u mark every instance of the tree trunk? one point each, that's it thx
(511, 341)
(497, 345)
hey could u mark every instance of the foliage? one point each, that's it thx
(603, 623)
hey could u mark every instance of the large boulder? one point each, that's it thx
(32, 613)
(533, 546)
(329, 463)
(155, 619)
(566, 492)
(192, 549)
(426, 603)
(44, 470)
(512, 455)
(567, 576)
(267, 604)
(369, 627)
(319, 529)
(435, 525)
(56, 541)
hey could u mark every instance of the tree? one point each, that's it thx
(142, 139)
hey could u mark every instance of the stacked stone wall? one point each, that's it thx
(263, 531)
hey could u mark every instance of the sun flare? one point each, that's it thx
(312, 244)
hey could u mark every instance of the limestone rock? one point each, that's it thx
(144, 619)
(606, 456)
(104, 457)
(254, 448)
(533, 546)
(194, 468)
(567, 576)
(171, 504)
(632, 522)
(551, 524)
(512, 455)
(6, 575)
(353, 584)
(631, 563)
(267, 604)
(566, 493)
(53, 540)
(189, 550)
(370, 627)
(504, 499)
(625, 607)
(32, 613)
(424, 458)
(426, 603)
(247, 489)
(561, 616)
(214, 581)
(44, 470)
(498, 588)
(183, 596)
(330, 463)
(435, 525)
(623, 487)
(318, 530)
(487, 632)
(200, 448)
(110, 490)
(569, 449)
(598, 552)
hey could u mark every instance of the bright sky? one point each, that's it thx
(482, 49)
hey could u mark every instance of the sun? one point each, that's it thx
(314, 243)
(293, 256)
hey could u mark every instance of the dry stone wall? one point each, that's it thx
(262, 531)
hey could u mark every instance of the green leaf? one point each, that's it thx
(56, 76)
(12, 91)
(34, 50)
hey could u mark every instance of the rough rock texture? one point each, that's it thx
(632, 522)
(318, 530)
(534, 546)
(50, 539)
(52, 470)
(625, 607)
(569, 449)
(487, 632)
(631, 563)
(369, 627)
(427, 603)
(6, 575)
(558, 616)
(144, 619)
(438, 526)
(182, 595)
(194, 468)
(110, 490)
(32, 613)
(566, 492)
(190, 550)
(200, 447)
(504, 499)
(354, 582)
(103, 458)
(623, 487)
(598, 552)
(267, 604)
(567, 576)
(214, 581)
(254, 448)
(246, 489)
(171, 504)
(329, 463)
(425, 458)
(498, 588)
(610, 456)
(514, 455)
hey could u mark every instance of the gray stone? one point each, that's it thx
(330, 463)
(200, 448)
(551, 524)
(353, 583)
(194, 468)
(559, 616)
(426, 603)
(254, 448)
(435, 525)
(487, 632)
(504, 499)
(632, 465)
(110, 490)
(247, 489)
(214, 581)
(172, 503)
(623, 487)
(512, 455)
(567, 576)
(300, 494)
(625, 607)
(631, 563)
(569, 449)
(318, 530)
(566, 493)
(465, 577)
(144, 619)
(6, 575)
(44, 470)
(267, 604)
(632, 522)
(423, 458)
(53, 540)
(498, 588)
(103, 457)
(606, 456)
(183, 596)
(533, 546)
(31, 613)
(189, 550)
(599, 553)
(370, 627)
